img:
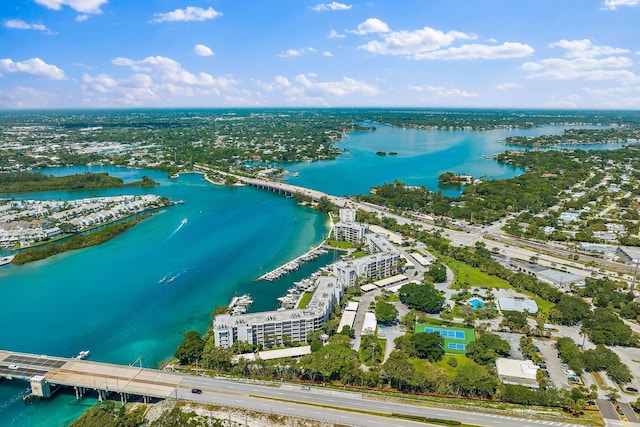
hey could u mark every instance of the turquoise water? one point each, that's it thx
(422, 156)
(476, 303)
(108, 298)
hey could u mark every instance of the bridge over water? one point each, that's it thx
(46, 372)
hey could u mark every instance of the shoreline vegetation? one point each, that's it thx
(79, 241)
(29, 182)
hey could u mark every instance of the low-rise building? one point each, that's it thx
(519, 304)
(560, 279)
(518, 372)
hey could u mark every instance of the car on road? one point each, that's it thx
(196, 391)
(14, 367)
(631, 389)
(305, 387)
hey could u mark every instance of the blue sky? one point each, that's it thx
(298, 53)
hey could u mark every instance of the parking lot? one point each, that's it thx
(554, 364)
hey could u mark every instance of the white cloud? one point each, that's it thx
(34, 66)
(168, 70)
(189, 13)
(304, 89)
(327, 54)
(585, 49)
(440, 92)
(81, 18)
(581, 62)
(346, 86)
(202, 50)
(297, 52)
(413, 42)
(430, 43)
(613, 4)
(156, 81)
(333, 34)
(508, 86)
(27, 97)
(371, 25)
(334, 5)
(82, 6)
(479, 51)
(19, 24)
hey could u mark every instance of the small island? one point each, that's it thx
(381, 153)
(29, 182)
(78, 241)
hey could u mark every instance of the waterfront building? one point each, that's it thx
(382, 263)
(276, 327)
(347, 229)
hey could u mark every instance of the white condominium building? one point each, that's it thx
(347, 229)
(381, 264)
(276, 327)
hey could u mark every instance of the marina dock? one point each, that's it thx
(293, 264)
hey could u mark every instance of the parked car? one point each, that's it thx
(573, 380)
(14, 367)
(196, 391)
(631, 389)
(537, 349)
(542, 365)
(570, 372)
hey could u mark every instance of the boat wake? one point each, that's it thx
(180, 226)
(170, 277)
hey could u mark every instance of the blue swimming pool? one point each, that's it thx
(476, 303)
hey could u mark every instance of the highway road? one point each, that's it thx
(288, 399)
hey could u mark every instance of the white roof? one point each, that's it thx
(348, 318)
(524, 369)
(517, 304)
(369, 325)
(276, 354)
(390, 280)
(352, 306)
(368, 287)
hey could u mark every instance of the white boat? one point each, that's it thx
(6, 259)
(83, 354)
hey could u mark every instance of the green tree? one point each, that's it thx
(324, 205)
(190, 350)
(398, 370)
(428, 346)
(421, 297)
(487, 349)
(385, 312)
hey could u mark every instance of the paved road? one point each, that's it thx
(246, 395)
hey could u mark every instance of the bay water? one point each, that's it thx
(134, 296)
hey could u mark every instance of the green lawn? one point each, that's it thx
(473, 276)
(304, 301)
(340, 245)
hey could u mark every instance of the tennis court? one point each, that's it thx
(455, 339)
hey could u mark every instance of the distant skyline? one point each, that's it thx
(568, 54)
